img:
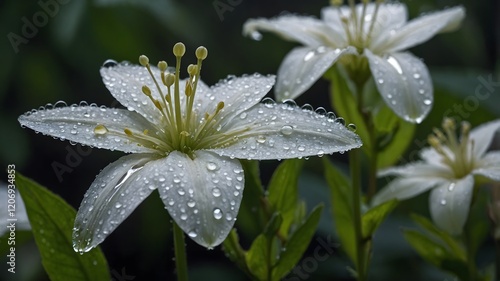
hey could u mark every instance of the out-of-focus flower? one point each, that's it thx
(185, 138)
(448, 170)
(368, 37)
(12, 208)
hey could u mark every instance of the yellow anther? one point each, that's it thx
(128, 132)
(189, 89)
(146, 90)
(146, 131)
(162, 65)
(143, 60)
(220, 106)
(192, 69)
(465, 128)
(168, 98)
(179, 49)
(449, 124)
(201, 53)
(207, 116)
(169, 79)
(184, 134)
(100, 130)
(157, 104)
(336, 2)
(439, 135)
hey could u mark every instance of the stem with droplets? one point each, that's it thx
(180, 253)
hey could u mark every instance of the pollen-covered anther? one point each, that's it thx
(179, 49)
(162, 65)
(169, 79)
(146, 90)
(201, 53)
(192, 69)
(128, 132)
(100, 130)
(143, 60)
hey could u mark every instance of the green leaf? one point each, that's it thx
(341, 198)
(231, 246)
(257, 257)
(344, 103)
(396, 143)
(297, 245)
(273, 225)
(436, 254)
(372, 219)
(451, 243)
(251, 215)
(52, 219)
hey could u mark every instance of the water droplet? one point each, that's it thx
(184, 217)
(211, 166)
(243, 115)
(216, 192)
(352, 127)
(443, 202)
(192, 234)
(309, 56)
(380, 81)
(286, 130)
(321, 153)
(427, 102)
(217, 213)
(416, 75)
(109, 63)
(421, 91)
(73, 132)
(261, 139)
(301, 148)
(118, 205)
(191, 204)
(100, 130)
(268, 102)
(181, 191)
(451, 187)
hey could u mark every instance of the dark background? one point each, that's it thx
(61, 62)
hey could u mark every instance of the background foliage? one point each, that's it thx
(61, 62)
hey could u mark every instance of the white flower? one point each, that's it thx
(185, 138)
(449, 168)
(375, 37)
(12, 203)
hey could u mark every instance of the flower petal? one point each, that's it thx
(125, 82)
(202, 195)
(302, 67)
(421, 29)
(418, 169)
(306, 30)
(404, 188)
(77, 123)
(22, 221)
(237, 93)
(112, 197)
(281, 131)
(450, 202)
(489, 166)
(404, 83)
(483, 135)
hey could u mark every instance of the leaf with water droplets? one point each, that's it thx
(206, 195)
(79, 124)
(302, 67)
(112, 197)
(409, 97)
(52, 222)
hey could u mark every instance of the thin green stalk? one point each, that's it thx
(355, 167)
(471, 263)
(180, 253)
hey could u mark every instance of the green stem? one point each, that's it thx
(471, 263)
(180, 253)
(355, 168)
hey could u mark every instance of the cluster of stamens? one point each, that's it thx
(181, 128)
(456, 152)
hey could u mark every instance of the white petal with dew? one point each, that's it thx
(237, 93)
(482, 136)
(282, 131)
(112, 197)
(22, 222)
(421, 29)
(418, 169)
(450, 202)
(405, 188)
(202, 195)
(77, 123)
(489, 166)
(306, 30)
(404, 83)
(302, 67)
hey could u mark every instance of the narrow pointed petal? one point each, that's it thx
(112, 197)
(305, 30)
(281, 131)
(77, 124)
(450, 203)
(125, 82)
(404, 188)
(404, 83)
(302, 67)
(422, 29)
(418, 169)
(202, 195)
(489, 166)
(237, 93)
(483, 135)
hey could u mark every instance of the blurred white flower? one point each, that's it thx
(8, 196)
(366, 37)
(185, 144)
(449, 169)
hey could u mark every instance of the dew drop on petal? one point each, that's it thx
(216, 192)
(109, 63)
(451, 187)
(184, 217)
(192, 234)
(217, 213)
(286, 130)
(255, 35)
(100, 130)
(191, 204)
(427, 102)
(211, 166)
(443, 202)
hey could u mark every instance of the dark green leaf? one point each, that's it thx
(257, 258)
(341, 199)
(297, 245)
(51, 219)
(251, 215)
(397, 142)
(273, 225)
(283, 186)
(231, 246)
(374, 217)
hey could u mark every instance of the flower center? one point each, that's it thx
(358, 26)
(181, 127)
(457, 153)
